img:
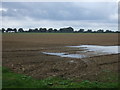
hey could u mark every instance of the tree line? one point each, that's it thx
(51, 30)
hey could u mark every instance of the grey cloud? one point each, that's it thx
(58, 11)
(58, 14)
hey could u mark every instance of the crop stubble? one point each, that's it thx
(22, 54)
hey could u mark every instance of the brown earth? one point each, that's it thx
(22, 54)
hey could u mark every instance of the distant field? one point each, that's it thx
(22, 54)
(60, 39)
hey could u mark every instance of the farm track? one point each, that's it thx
(22, 54)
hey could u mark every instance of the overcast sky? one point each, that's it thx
(87, 15)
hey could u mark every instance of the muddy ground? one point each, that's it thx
(22, 54)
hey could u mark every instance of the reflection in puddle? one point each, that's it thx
(65, 55)
(102, 49)
(88, 51)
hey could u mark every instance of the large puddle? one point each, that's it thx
(66, 55)
(85, 51)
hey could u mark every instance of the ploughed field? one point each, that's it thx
(22, 53)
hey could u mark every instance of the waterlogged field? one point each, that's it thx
(87, 51)
(34, 55)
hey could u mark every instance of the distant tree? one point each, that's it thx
(42, 30)
(70, 29)
(9, 30)
(81, 31)
(15, 30)
(94, 31)
(3, 30)
(108, 31)
(100, 31)
(89, 31)
(30, 30)
(66, 30)
(50, 30)
(117, 32)
(61, 30)
(55, 30)
(20, 30)
(36, 30)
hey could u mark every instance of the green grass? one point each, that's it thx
(13, 80)
(0, 78)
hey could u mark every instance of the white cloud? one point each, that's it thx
(15, 10)
(114, 16)
(57, 15)
(27, 22)
(3, 9)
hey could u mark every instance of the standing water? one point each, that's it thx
(88, 51)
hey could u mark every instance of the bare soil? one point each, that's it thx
(22, 54)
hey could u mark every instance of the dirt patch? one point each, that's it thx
(22, 53)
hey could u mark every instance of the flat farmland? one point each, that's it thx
(22, 53)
